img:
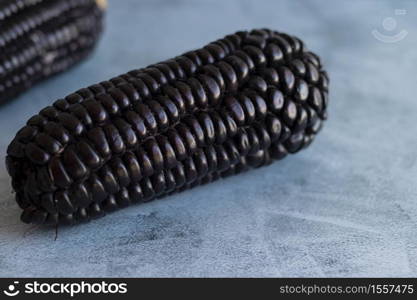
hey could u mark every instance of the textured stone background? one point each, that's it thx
(344, 207)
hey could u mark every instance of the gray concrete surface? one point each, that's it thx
(344, 207)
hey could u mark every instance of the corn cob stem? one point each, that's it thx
(102, 4)
(238, 103)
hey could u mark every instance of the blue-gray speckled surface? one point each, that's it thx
(344, 207)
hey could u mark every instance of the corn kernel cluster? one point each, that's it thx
(39, 38)
(238, 103)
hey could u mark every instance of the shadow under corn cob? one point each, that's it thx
(39, 38)
(238, 103)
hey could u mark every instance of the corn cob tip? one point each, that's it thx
(102, 4)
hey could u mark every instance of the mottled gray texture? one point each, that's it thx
(344, 207)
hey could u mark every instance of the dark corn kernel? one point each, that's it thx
(40, 38)
(236, 104)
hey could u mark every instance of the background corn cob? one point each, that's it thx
(238, 103)
(39, 38)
